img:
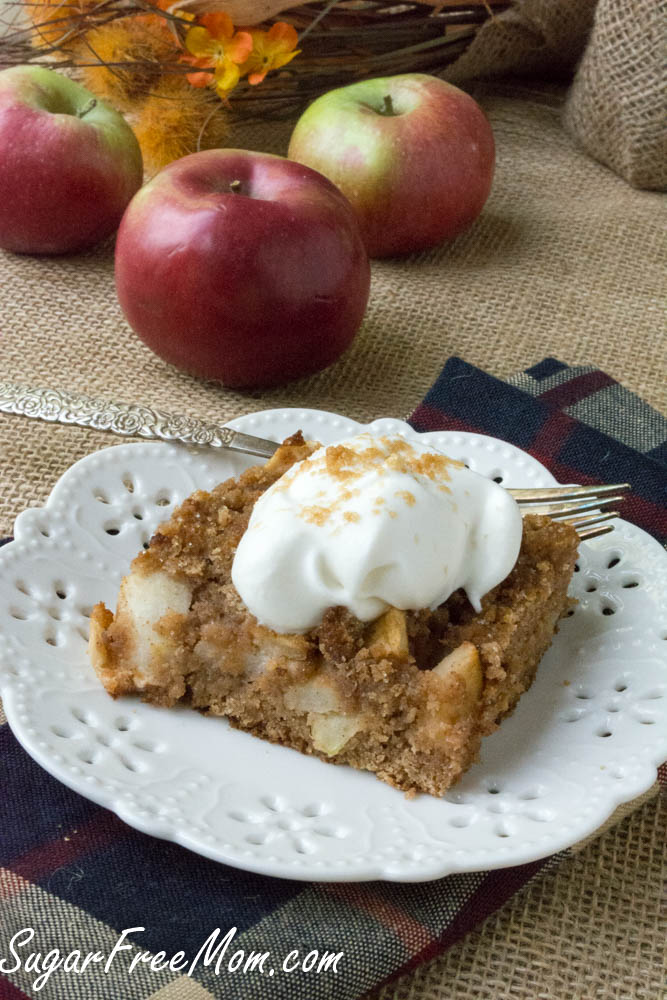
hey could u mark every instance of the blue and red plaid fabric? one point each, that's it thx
(80, 877)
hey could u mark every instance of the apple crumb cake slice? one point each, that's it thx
(408, 696)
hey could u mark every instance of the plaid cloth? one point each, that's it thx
(80, 877)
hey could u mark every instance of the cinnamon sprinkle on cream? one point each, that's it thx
(347, 465)
(407, 496)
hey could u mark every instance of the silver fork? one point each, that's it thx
(578, 505)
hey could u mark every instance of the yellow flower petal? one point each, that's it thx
(199, 42)
(282, 60)
(227, 75)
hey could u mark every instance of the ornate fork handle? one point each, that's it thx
(58, 406)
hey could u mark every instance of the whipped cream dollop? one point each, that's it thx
(372, 522)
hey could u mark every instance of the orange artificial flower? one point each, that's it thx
(218, 51)
(270, 50)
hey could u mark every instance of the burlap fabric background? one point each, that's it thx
(615, 108)
(566, 260)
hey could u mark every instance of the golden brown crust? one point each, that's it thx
(114, 668)
(352, 693)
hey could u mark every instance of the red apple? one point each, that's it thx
(413, 154)
(69, 163)
(242, 267)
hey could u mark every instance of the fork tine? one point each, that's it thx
(570, 507)
(595, 531)
(549, 493)
(588, 520)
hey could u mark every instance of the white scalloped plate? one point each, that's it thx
(586, 737)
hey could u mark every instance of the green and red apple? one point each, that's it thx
(242, 267)
(69, 164)
(414, 155)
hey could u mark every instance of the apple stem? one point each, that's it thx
(388, 107)
(235, 186)
(92, 103)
